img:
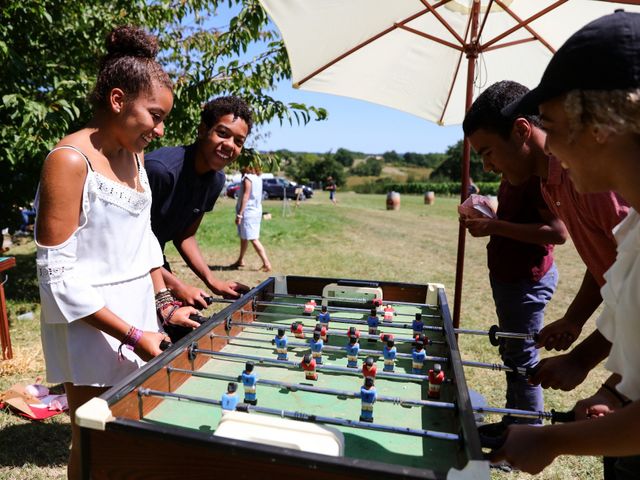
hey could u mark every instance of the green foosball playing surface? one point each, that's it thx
(394, 448)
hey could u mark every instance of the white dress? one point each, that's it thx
(249, 227)
(105, 262)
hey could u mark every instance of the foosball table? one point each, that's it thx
(300, 378)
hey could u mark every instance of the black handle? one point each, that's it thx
(493, 339)
(198, 318)
(165, 344)
(209, 300)
(563, 417)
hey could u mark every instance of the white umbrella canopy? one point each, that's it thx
(411, 54)
(425, 57)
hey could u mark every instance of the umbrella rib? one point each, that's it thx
(455, 75)
(525, 24)
(431, 37)
(444, 23)
(484, 19)
(361, 45)
(509, 44)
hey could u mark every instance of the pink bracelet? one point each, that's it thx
(130, 340)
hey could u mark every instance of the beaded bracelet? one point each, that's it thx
(623, 401)
(163, 297)
(130, 340)
(174, 307)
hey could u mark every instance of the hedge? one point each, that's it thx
(439, 188)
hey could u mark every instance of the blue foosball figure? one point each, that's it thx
(353, 347)
(419, 355)
(389, 353)
(249, 380)
(373, 321)
(230, 399)
(316, 345)
(368, 398)
(280, 341)
(324, 316)
(417, 325)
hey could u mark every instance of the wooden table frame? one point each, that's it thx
(5, 338)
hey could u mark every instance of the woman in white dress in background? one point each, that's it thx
(249, 217)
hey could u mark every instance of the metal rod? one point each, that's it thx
(365, 352)
(317, 297)
(337, 333)
(332, 348)
(330, 309)
(405, 402)
(494, 332)
(305, 417)
(320, 368)
(351, 321)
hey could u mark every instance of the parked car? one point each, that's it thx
(277, 187)
(233, 190)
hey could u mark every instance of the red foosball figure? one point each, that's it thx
(309, 307)
(389, 312)
(322, 331)
(385, 337)
(369, 368)
(308, 364)
(297, 329)
(353, 332)
(436, 377)
(377, 302)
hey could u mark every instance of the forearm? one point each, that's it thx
(169, 280)
(108, 322)
(591, 351)
(586, 301)
(190, 252)
(615, 434)
(538, 233)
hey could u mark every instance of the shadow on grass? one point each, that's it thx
(22, 283)
(45, 444)
(221, 268)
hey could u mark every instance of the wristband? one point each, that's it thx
(130, 340)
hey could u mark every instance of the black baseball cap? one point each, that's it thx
(602, 55)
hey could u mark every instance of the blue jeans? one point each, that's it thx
(520, 308)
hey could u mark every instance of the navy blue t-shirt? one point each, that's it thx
(180, 195)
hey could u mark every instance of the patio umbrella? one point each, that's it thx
(425, 57)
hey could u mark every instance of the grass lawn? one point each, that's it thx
(357, 238)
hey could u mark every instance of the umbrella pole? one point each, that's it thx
(471, 50)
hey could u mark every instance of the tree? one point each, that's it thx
(49, 51)
(371, 167)
(451, 168)
(344, 156)
(391, 157)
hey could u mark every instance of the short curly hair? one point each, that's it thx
(486, 110)
(217, 108)
(617, 111)
(130, 64)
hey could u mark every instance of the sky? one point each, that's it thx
(355, 125)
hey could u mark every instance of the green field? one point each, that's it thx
(357, 238)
